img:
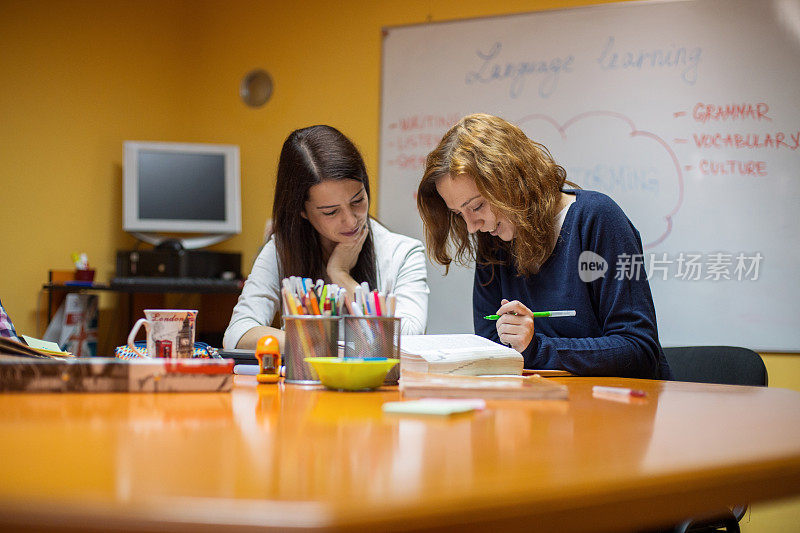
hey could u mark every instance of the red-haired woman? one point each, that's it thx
(492, 195)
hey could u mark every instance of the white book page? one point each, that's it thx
(456, 347)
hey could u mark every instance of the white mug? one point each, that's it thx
(170, 333)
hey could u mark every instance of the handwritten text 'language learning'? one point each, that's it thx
(492, 68)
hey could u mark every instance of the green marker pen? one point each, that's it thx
(540, 314)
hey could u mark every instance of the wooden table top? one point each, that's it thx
(288, 456)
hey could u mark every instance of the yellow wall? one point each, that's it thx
(78, 78)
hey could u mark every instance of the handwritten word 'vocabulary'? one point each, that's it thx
(777, 140)
(491, 70)
(677, 57)
(718, 113)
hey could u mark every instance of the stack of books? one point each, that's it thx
(100, 374)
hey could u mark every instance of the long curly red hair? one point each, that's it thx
(517, 176)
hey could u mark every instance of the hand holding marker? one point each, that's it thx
(515, 323)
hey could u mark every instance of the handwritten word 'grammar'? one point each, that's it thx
(703, 113)
(674, 57)
(495, 71)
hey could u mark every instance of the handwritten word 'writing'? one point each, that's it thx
(421, 122)
(490, 71)
(675, 57)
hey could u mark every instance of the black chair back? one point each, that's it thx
(729, 365)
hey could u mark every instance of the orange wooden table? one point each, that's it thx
(285, 456)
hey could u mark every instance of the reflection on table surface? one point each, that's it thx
(338, 459)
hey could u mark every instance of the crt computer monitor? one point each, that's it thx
(181, 188)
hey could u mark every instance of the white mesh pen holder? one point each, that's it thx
(373, 336)
(308, 336)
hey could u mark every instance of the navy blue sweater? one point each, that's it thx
(614, 331)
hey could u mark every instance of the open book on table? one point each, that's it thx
(461, 353)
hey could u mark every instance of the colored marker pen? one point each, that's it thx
(540, 314)
(619, 391)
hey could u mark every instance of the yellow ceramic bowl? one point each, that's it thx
(351, 373)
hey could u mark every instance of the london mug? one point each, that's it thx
(170, 333)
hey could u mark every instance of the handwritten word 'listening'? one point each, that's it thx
(493, 71)
(675, 57)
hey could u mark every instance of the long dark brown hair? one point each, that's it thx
(518, 178)
(310, 156)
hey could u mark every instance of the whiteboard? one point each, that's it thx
(687, 113)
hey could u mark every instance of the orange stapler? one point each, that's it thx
(268, 354)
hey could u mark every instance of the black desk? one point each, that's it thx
(212, 319)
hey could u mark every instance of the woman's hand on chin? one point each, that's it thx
(344, 257)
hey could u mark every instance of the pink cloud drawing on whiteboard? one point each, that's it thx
(608, 153)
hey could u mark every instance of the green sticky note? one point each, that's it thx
(39, 344)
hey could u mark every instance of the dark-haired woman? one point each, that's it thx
(321, 229)
(499, 198)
